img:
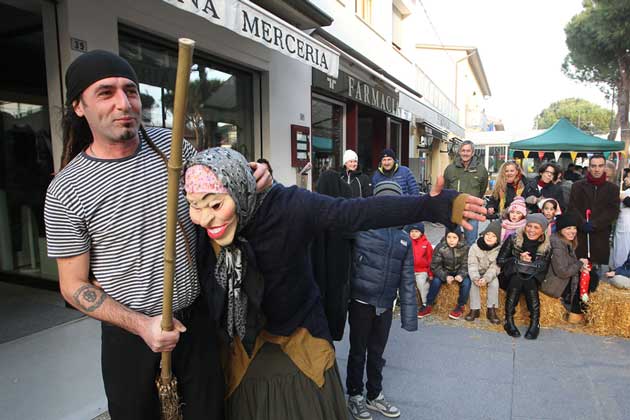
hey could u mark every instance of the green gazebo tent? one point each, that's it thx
(565, 137)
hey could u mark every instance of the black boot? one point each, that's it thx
(511, 300)
(533, 304)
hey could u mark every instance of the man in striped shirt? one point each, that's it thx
(105, 215)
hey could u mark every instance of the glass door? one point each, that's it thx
(394, 137)
(326, 136)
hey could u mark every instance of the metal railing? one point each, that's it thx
(435, 96)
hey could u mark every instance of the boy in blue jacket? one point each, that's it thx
(382, 265)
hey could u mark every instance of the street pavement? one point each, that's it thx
(445, 371)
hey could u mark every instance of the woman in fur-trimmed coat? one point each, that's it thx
(524, 259)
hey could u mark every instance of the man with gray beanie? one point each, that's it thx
(105, 214)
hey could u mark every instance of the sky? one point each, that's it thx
(522, 46)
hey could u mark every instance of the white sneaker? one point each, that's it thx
(383, 406)
(356, 405)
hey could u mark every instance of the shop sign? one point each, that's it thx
(255, 23)
(351, 87)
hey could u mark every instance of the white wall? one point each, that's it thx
(289, 103)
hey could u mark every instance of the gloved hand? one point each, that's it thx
(587, 227)
(626, 201)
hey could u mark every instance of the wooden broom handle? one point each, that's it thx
(184, 62)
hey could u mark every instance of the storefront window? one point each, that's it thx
(26, 163)
(220, 97)
(326, 136)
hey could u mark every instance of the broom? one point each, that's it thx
(167, 383)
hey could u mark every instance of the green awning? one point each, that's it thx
(565, 137)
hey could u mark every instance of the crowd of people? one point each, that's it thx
(265, 275)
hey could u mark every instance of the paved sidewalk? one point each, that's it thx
(54, 374)
(442, 371)
(445, 371)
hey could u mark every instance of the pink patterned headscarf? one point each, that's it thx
(201, 179)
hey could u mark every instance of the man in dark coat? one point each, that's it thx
(602, 198)
(331, 259)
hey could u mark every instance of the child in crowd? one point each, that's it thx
(422, 254)
(449, 265)
(514, 218)
(550, 208)
(483, 271)
(382, 266)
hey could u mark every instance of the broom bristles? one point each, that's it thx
(170, 405)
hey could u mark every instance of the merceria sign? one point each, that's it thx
(255, 23)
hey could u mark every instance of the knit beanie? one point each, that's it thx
(494, 227)
(387, 188)
(92, 67)
(538, 218)
(518, 204)
(564, 221)
(453, 229)
(416, 226)
(349, 155)
(388, 153)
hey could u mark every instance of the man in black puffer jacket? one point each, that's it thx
(382, 265)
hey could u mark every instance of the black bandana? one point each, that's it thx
(92, 67)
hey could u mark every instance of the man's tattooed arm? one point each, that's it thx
(88, 298)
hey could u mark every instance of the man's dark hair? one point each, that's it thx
(76, 134)
(571, 166)
(596, 156)
(556, 171)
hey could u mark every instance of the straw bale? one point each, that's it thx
(603, 315)
(608, 311)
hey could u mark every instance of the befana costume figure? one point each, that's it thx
(255, 268)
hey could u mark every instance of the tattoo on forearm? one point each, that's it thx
(89, 298)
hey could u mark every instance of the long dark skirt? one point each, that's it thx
(275, 389)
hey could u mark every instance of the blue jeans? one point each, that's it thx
(464, 290)
(472, 235)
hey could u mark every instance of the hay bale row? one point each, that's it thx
(606, 315)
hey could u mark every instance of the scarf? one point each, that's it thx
(530, 246)
(598, 182)
(510, 227)
(233, 171)
(542, 184)
(484, 246)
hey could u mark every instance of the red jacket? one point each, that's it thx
(422, 254)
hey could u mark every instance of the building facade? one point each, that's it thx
(294, 82)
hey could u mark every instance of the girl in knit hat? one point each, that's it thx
(514, 218)
(563, 278)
